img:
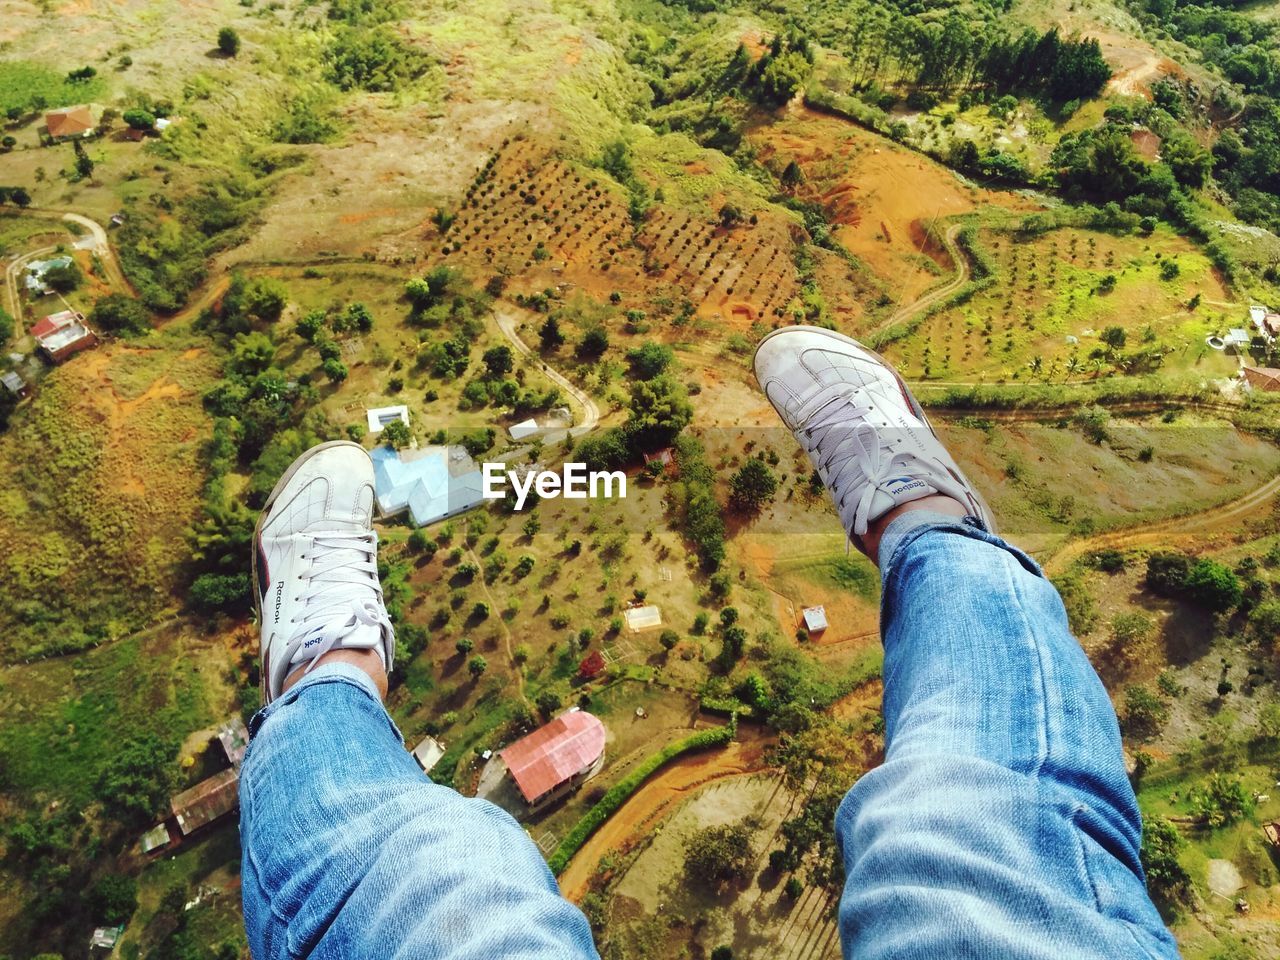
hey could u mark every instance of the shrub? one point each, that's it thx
(1167, 879)
(1145, 713)
(1214, 586)
(228, 42)
(118, 313)
(668, 639)
(1167, 573)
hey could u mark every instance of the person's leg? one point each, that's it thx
(1001, 823)
(351, 852)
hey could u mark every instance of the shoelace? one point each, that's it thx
(343, 593)
(851, 458)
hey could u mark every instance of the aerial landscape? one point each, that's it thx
(553, 231)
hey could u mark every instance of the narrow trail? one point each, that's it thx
(1160, 532)
(934, 294)
(590, 412)
(495, 612)
(672, 783)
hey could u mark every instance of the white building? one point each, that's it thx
(424, 482)
(379, 417)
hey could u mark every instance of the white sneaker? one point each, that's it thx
(315, 565)
(865, 433)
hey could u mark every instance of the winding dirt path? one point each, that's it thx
(1159, 533)
(934, 294)
(670, 784)
(507, 322)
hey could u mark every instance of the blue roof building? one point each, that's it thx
(420, 482)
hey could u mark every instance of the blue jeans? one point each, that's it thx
(1000, 825)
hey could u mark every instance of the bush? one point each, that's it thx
(228, 42)
(1167, 879)
(619, 792)
(668, 639)
(1145, 713)
(372, 59)
(720, 854)
(1214, 586)
(113, 898)
(1167, 573)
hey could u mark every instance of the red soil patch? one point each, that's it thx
(1146, 143)
(364, 215)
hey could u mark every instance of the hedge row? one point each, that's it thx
(620, 791)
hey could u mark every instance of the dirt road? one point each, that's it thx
(936, 294)
(1162, 532)
(96, 243)
(670, 784)
(507, 322)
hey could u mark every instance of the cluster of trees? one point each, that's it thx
(695, 498)
(118, 313)
(1242, 47)
(780, 72)
(18, 196)
(1205, 582)
(372, 58)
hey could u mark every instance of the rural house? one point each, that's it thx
(1266, 379)
(207, 802)
(60, 335)
(36, 270)
(556, 758)
(71, 123)
(422, 482)
(14, 383)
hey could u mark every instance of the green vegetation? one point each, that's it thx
(619, 792)
(28, 88)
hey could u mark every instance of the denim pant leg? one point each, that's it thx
(1001, 823)
(351, 852)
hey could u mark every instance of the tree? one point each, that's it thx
(1214, 586)
(716, 855)
(335, 370)
(113, 899)
(1167, 879)
(593, 343)
(730, 216)
(548, 703)
(549, 334)
(1265, 621)
(660, 409)
(64, 279)
(228, 42)
(464, 646)
(309, 327)
(1114, 337)
(1221, 800)
(669, 639)
(140, 119)
(117, 313)
(792, 176)
(136, 781)
(252, 353)
(753, 485)
(793, 888)
(1167, 573)
(477, 665)
(649, 360)
(8, 142)
(724, 951)
(498, 361)
(396, 434)
(1145, 713)
(358, 317)
(219, 592)
(6, 326)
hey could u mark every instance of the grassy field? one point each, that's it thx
(1043, 316)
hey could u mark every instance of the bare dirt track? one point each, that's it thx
(672, 783)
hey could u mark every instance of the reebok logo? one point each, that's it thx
(908, 484)
(279, 599)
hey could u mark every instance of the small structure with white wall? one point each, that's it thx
(524, 429)
(379, 417)
(428, 753)
(1237, 339)
(815, 619)
(642, 618)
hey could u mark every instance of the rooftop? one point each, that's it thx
(815, 619)
(554, 753)
(207, 801)
(379, 417)
(71, 121)
(235, 740)
(422, 482)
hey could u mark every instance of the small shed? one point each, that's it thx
(815, 619)
(105, 937)
(156, 839)
(207, 802)
(526, 428)
(1237, 338)
(235, 740)
(14, 384)
(379, 417)
(643, 618)
(428, 753)
(71, 123)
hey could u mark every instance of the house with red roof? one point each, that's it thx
(59, 335)
(73, 123)
(556, 758)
